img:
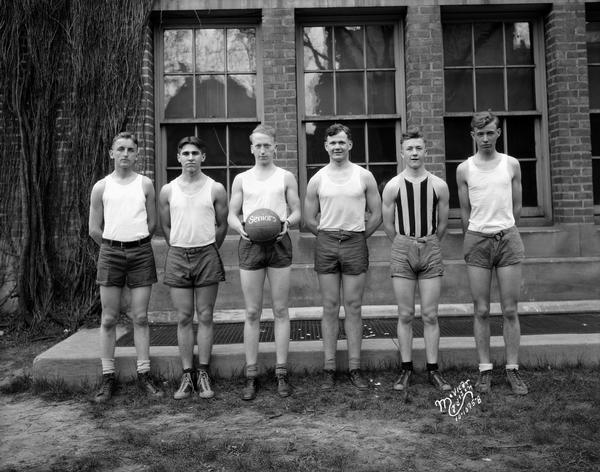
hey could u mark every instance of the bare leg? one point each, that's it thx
(404, 290)
(279, 279)
(205, 305)
(480, 281)
(353, 287)
(429, 291)
(111, 302)
(330, 293)
(509, 281)
(252, 287)
(140, 297)
(183, 301)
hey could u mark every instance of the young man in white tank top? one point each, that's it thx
(489, 189)
(265, 186)
(121, 221)
(193, 215)
(339, 193)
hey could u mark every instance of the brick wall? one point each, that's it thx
(279, 79)
(424, 80)
(568, 119)
(144, 127)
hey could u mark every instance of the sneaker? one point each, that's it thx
(401, 384)
(436, 379)
(484, 382)
(516, 383)
(107, 389)
(328, 382)
(203, 384)
(185, 388)
(146, 384)
(249, 391)
(283, 386)
(357, 379)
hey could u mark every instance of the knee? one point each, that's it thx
(185, 319)
(253, 314)
(331, 307)
(281, 313)
(109, 319)
(510, 312)
(430, 317)
(205, 315)
(406, 315)
(140, 318)
(482, 311)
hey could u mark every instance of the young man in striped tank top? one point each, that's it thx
(265, 186)
(121, 221)
(489, 189)
(415, 217)
(340, 192)
(193, 214)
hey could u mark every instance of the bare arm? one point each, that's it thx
(463, 195)
(235, 208)
(221, 212)
(293, 201)
(443, 194)
(164, 210)
(150, 204)
(96, 217)
(311, 205)
(517, 191)
(373, 204)
(388, 209)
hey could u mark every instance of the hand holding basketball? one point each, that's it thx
(263, 226)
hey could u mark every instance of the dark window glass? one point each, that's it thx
(529, 183)
(518, 44)
(594, 81)
(318, 93)
(521, 88)
(350, 93)
(174, 134)
(451, 181)
(381, 92)
(596, 180)
(457, 138)
(457, 44)
(380, 46)
(490, 89)
(382, 141)
(241, 97)
(520, 136)
(595, 132)
(592, 31)
(179, 97)
(214, 136)
(383, 174)
(458, 86)
(349, 47)
(220, 175)
(488, 44)
(239, 144)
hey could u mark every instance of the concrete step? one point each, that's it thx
(75, 361)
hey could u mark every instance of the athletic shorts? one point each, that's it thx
(493, 250)
(191, 267)
(416, 258)
(118, 265)
(341, 251)
(255, 256)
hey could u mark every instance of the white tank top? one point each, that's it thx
(490, 195)
(192, 216)
(269, 193)
(125, 217)
(342, 205)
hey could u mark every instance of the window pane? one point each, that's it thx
(241, 97)
(239, 144)
(529, 183)
(210, 50)
(216, 143)
(350, 93)
(318, 93)
(520, 136)
(521, 89)
(596, 180)
(311, 171)
(457, 138)
(518, 44)
(173, 174)
(220, 175)
(594, 84)
(315, 140)
(349, 47)
(241, 50)
(451, 181)
(380, 46)
(358, 152)
(317, 48)
(179, 97)
(210, 96)
(383, 174)
(490, 89)
(488, 44)
(595, 132)
(178, 51)
(382, 141)
(457, 44)
(174, 134)
(593, 41)
(381, 90)
(458, 86)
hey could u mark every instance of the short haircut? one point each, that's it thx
(125, 135)
(484, 118)
(338, 128)
(195, 140)
(412, 133)
(263, 129)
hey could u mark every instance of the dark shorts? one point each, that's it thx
(341, 251)
(493, 250)
(416, 258)
(254, 256)
(191, 267)
(133, 266)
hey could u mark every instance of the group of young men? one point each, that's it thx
(342, 208)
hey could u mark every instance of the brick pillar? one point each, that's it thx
(425, 79)
(279, 78)
(568, 113)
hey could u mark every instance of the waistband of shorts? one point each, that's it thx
(422, 239)
(497, 236)
(192, 249)
(126, 244)
(340, 232)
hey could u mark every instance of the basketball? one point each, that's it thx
(263, 225)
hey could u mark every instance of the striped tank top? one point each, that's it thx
(416, 207)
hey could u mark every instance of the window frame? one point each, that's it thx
(542, 213)
(593, 16)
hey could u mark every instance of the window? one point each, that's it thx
(209, 88)
(593, 55)
(493, 65)
(350, 73)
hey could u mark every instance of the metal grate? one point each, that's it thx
(310, 330)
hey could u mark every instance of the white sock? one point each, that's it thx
(512, 366)
(143, 366)
(484, 367)
(108, 366)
